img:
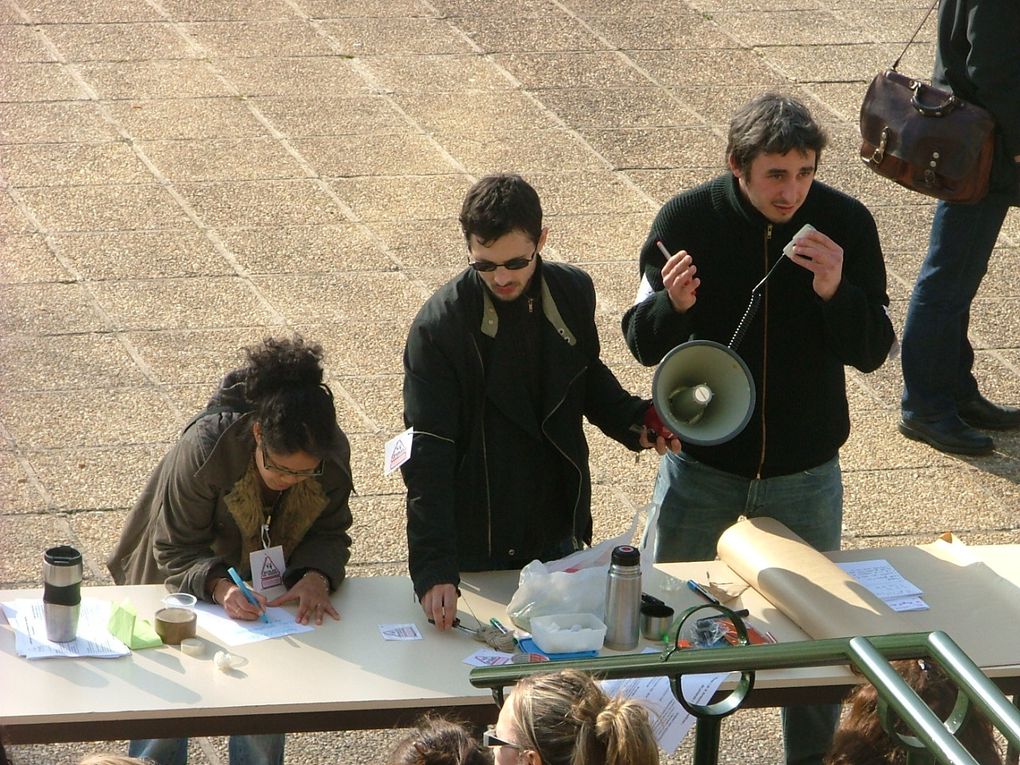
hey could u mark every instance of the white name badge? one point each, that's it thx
(267, 567)
(398, 451)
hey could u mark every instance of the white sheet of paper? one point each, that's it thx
(670, 721)
(400, 632)
(26, 617)
(909, 603)
(486, 657)
(398, 451)
(880, 578)
(644, 290)
(214, 620)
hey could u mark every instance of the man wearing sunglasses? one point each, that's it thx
(501, 366)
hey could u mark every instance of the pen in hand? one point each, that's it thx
(249, 596)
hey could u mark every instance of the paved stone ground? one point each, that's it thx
(181, 177)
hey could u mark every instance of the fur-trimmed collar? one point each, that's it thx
(298, 509)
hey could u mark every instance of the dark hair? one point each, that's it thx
(772, 123)
(499, 204)
(283, 380)
(438, 741)
(861, 740)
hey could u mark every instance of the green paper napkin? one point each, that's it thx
(133, 632)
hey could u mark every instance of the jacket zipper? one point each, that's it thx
(765, 353)
(580, 475)
(485, 456)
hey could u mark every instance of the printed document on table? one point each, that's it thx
(881, 579)
(214, 620)
(670, 721)
(27, 618)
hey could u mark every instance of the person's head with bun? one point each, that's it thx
(439, 741)
(564, 718)
(295, 417)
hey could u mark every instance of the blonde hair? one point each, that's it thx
(568, 720)
(113, 759)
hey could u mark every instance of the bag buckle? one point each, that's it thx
(879, 153)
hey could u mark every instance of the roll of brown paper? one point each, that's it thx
(175, 624)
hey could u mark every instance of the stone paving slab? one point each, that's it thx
(183, 177)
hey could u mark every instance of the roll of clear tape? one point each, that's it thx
(193, 646)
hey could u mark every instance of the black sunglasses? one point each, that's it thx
(514, 264)
(490, 740)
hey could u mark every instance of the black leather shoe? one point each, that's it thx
(981, 413)
(953, 436)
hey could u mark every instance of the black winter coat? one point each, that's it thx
(797, 344)
(472, 426)
(977, 56)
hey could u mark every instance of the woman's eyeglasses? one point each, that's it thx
(315, 472)
(490, 740)
(514, 264)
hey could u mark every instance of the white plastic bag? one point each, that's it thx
(574, 584)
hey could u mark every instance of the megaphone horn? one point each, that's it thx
(703, 392)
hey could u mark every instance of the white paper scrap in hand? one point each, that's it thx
(93, 639)
(400, 631)
(214, 620)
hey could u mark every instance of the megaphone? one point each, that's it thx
(703, 392)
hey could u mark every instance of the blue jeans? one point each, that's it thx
(937, 357)
(697, 503)
(244, 750)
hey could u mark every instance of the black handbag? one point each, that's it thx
(926, 139)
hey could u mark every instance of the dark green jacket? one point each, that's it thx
(978, 57)
(470, 423)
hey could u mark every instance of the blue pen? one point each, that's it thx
(246, 592)
(695, 587)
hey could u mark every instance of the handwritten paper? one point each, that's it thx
(880, 578)
(214, 620)
(27, 618)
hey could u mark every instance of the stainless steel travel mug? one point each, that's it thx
(623, 599)
(62, 572)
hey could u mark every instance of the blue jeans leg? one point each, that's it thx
(257, 750)
(162, 751)
(697, 503)
(936, 356)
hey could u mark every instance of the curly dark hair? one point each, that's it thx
(283, 381)
(861, 740)
(438, 741)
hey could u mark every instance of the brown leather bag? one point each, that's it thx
(926, 139)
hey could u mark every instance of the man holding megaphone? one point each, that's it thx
(759, 398)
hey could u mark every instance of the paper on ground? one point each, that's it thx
(214, 620)
(93, 639)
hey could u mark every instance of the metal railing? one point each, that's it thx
(933, 739)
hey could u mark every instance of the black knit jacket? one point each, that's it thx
(797, 345)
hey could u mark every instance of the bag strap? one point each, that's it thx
(896, 63)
